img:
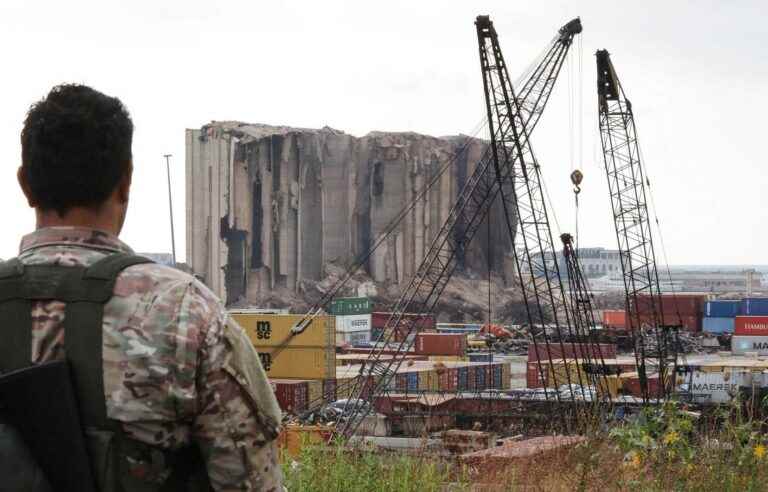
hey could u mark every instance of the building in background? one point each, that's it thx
(269, 207)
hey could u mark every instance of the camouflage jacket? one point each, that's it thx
(177, 369)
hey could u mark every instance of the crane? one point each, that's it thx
(584, 322)
(509, 172)
(653, 340)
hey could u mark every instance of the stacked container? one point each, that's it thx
(750, 335)
(751, 327)
(310, 354)
(420, 322)
(683, 309)
(353, 319)
(719, 316)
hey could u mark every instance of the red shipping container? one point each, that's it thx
(401, 382)
(533, 375)
(291, 395)
(409, 323)
(615, 318)
(691, 324)
(448, 379)
(751, 326)
(572, 351)
(441, 344)
(631, 386)
(685, 304)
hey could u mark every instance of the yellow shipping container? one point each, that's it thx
(611, 383)
(298, 362)
(428, 380)
(272, 330)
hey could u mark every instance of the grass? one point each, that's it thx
(336, 469)
(663, 449)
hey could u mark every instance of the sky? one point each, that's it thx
(694, 71)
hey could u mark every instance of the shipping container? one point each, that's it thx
(353, 323)
(614, 318)
(684, 304)
(440, 344)
(298, 362)
(754, 306)
(481, 378)
(271, 330)
(353, 337)
(447, 379)
(344, 306)
(718, 325)
(447, 358)
(722, 309)
(743, 344)
(291, 395)
(688, 323)
(534, 377)
(412, 381)
(458, 327)
(720, 386)
(572, 350)
(329, 390)
(506, 375)
(630, 384)
(751, 326)
(481, 357)
(409, 323)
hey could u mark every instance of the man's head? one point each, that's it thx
(76, 158)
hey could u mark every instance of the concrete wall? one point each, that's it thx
(269, 207)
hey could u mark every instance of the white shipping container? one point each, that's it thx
(353, 323)
(720, 387)
(353, 337)
(741, 344)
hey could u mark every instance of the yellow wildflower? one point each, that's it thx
(759, 451)
(671, 437)
(635, 460)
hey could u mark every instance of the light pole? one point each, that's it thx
(170, 207)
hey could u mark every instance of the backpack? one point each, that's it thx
(44, 453)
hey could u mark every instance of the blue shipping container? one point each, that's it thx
(722, 309)
(480, 378)
(718, 325)
(497, 376)
(463, 378)
(413, 381)
(481, 357)
(754, 306)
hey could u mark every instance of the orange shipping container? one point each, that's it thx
(615, 318)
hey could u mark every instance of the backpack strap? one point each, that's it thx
(83, 329)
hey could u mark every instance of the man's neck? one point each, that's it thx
(77, 217)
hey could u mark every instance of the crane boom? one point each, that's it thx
(654, 350)
(489, 181)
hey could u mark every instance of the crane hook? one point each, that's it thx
(576, 177)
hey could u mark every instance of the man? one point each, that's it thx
(177, 372)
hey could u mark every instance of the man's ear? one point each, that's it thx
(124, 186)
(21, 176)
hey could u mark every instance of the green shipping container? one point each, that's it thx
(351, 305)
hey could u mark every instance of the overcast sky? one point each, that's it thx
(696, 73)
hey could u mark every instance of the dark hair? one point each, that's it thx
(75, 147)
